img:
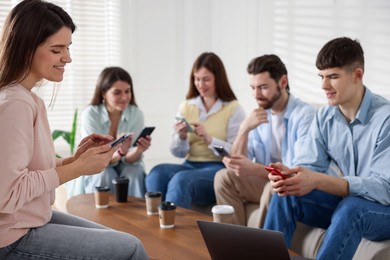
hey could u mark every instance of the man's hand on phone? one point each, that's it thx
(240, 165)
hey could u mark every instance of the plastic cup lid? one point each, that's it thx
(222, 209)
(167, 205)
(153, 194)
(102, 188)
(120, 180)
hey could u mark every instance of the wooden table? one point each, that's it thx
(182, 242)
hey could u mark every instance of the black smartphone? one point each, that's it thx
(119, 140)
(146, 131)
(221, 151)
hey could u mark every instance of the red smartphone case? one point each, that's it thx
(275, 171)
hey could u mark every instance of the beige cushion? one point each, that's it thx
(307, 240)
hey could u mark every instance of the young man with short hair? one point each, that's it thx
(354, 131)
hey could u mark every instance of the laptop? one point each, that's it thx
(227, 241)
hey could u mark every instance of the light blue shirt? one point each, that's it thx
(361, 148)
(298, 116)
(95, 119)
(180, 148)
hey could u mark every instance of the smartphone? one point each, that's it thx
(275, 171)
(190, 129)
(221, 151)
(119, 140)
(146, 131)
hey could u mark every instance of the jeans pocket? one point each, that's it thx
(6, 251)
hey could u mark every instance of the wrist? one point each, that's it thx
(243, 131)
(68, 160)
(209, 139)
(120, 153)
(68, 172)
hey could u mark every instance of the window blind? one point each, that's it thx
(96, 43)
(5, 7)
(302, 27)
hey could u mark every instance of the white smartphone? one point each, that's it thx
(190, 129)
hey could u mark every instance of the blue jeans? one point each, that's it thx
(70, 237)
(185, 184)
(347, 220)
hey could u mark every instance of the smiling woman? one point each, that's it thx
(215, 114)
(50, 58)
(98, 31)
(114, 111)
(32, 50)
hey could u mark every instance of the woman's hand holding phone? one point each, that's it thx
(181, 130)
(200, 130)
(125, 139)
(95, 159)
(92, 156)
(143, 144)
(92, 140)
(183, 120)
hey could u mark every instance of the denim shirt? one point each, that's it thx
(298, 116)
(360, 148)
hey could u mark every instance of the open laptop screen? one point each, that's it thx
(227, 241)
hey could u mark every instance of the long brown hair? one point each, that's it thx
(27, 26)
(107, 78)
(214, 64)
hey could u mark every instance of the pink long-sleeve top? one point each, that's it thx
(27, 164)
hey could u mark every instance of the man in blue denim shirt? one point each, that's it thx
(272, 132)
(354, 131)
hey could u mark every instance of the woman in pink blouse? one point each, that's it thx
(35, 47)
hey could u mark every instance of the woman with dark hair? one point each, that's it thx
(113, 111)
(214, 116)
(34, 46)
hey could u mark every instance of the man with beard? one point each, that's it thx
(271, 133)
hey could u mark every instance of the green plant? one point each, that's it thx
(69, 137)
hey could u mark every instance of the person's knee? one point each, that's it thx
(221, 179)
(349, 208)
(157, 172)
(132, 247)
(161, 167)
(180, 180)
(224, 179)
(153, 175)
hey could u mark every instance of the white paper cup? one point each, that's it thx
(222, 213)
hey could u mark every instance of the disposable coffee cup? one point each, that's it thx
(102, 194)
(167, 212)
(222, 213)
(152, 200)
(121, 187)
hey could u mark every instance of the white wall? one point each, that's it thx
(163, 38)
